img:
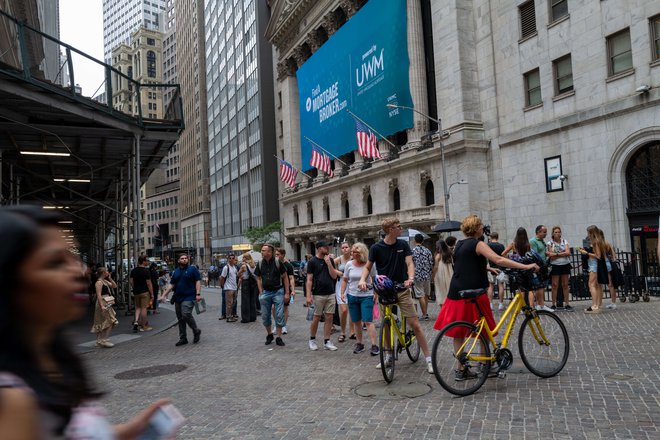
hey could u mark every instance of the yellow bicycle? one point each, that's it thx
(462, 356)
(394, 336)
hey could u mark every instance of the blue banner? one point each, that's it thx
(361, 68)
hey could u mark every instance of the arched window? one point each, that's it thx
(429, 194)
(396, 200)
(347, 211)
(643, 180)
(370, 206)
(151, 64)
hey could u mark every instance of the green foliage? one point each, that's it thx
(264, 234)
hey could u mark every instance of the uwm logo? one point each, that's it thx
(372, 67)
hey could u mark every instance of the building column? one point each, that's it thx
(417, 71)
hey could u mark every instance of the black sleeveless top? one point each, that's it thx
(469, 268)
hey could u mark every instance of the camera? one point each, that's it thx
(487, 230)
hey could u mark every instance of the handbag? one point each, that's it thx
(200, 306)
(109, 300)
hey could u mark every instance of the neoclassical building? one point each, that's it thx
(549, 115)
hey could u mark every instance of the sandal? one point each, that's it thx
(341, 338)
(352, 336)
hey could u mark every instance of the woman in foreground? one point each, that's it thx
(45, 391)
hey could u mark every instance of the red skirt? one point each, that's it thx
(463, 310)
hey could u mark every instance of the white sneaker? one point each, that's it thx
(329, 346)
(500, 307)
(611, 306)
(312, 345)
(429, 367)
(284, 330)
(546, 308)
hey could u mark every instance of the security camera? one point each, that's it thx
(563, 178)
(644, 88)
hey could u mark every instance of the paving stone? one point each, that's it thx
(236, 387)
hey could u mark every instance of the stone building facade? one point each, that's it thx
(520, 87)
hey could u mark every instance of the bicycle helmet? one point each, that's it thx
(384, 287)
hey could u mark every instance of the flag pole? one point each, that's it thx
(335, 157)
(304, 174)
(372, 129)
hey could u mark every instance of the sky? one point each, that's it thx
(81, 26)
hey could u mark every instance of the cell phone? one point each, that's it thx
(165, 422)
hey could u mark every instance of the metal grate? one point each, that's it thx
(527, 19)
(643, 180)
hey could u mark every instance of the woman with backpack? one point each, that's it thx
(247, 284)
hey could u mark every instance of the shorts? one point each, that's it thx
(422, 288)
(142, 300)
(361, 308)
(560, 269)
(324, 304)
(593, 265)
(405, 303)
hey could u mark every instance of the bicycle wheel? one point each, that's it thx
(412, 346)
(543, 344)
(387, 349)
(453, 357)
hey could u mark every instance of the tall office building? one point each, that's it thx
(239, 76)
(193, 143)
(122, 17)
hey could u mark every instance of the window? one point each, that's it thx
(370, 205)
(563, 75)
(527, 19)
(655, 36)
(347, 211)
(619, 52)
(151, 64)
(429, 193)
(327, 212)
(151, 42)
(396, 200)
(532, 88)
(558, 9)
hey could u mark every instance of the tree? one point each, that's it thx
(264, 234)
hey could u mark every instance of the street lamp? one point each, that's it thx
(440, 134)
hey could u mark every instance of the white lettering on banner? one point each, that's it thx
(331, 109)
(324, 97)
(370, 69)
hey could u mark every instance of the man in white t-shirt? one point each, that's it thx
(229, 282)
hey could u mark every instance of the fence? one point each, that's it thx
(637, 282)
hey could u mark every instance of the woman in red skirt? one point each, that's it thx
(470, 268)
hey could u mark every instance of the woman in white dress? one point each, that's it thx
(443, 270)
(340, 264)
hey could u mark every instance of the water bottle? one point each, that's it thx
(310, 312)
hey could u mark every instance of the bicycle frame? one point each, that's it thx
(512, 312)
(400, 329)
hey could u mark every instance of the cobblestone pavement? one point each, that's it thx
(234, 386)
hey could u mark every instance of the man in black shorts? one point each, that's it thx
(393, 258)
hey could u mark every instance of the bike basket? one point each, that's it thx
(387, 297)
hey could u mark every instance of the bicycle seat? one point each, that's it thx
(471, 293)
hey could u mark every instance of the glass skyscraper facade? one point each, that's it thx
(241, 128)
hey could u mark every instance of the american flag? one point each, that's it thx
(367, 141)
(321, 161)
(288, 173)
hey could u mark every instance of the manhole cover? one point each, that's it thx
(395, 390)
(149, 372)
(618, 376)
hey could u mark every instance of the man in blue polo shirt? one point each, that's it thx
(187, 286)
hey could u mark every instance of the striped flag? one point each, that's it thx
(288, 173)
(367, 141)
(321, 161)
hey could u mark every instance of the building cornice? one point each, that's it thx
(286, 15)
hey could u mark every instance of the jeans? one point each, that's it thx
(184, 315)
(267, 300)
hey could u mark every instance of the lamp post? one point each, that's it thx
(440, 134)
